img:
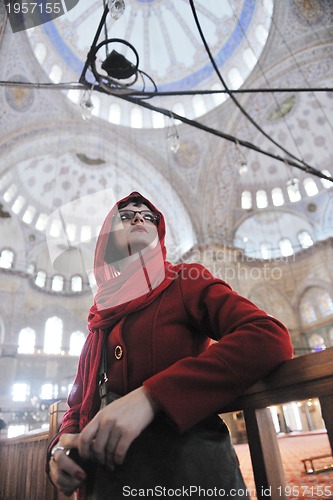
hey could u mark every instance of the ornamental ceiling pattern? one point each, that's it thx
(167, 42)
(54, 157)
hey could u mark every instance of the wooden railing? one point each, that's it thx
(22, 459)
(22, 463)
(298, 379)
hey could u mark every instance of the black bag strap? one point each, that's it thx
(103, 369)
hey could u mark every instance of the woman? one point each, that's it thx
(150, 347)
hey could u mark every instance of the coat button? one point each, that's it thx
(118, 352)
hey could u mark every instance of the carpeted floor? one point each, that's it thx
(293, 449)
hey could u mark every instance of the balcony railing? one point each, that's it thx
(22, 459)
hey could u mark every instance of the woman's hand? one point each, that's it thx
(65, 474)
(108, 436)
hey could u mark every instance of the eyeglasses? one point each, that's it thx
(147, 215)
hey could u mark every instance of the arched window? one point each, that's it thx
(115, 113)
(317, 342)
(74, 96)
(49, 391)
(16, 430)
(199, 105)
(53, 335)
(40, 52)
(92, 280)
(96, 101)
(6, 258)
(261, 198)
(10, 193)
(85, 233)
(330, 333)
(305, 239)
(265, 250)
(29, 214)
(57, 283)
(292, 417)
(76, 343)
(18, 204)
(293, 190)
(55, 73)
(218, 98)
(261, 34)
(308, 312)
(136, 118)
(249, 58)
(26, 341)
(277, 197)
(71, 231)
(246, 200)
(325, 303)
(310, 187)
(55, 228)
(20, 391)
(76, 283)
(316, 303)
(40, 279)
(286, 247)
(31, 268)
(235, 78)
(41, 222)
(158, 119)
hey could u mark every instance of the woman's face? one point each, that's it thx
(132, 235)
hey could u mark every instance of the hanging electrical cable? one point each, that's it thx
(223, 135)
(307, 167)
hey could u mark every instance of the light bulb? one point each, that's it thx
(173, 141)
(116, 8)
(87, 106)
(242, 169)
(172, 135)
